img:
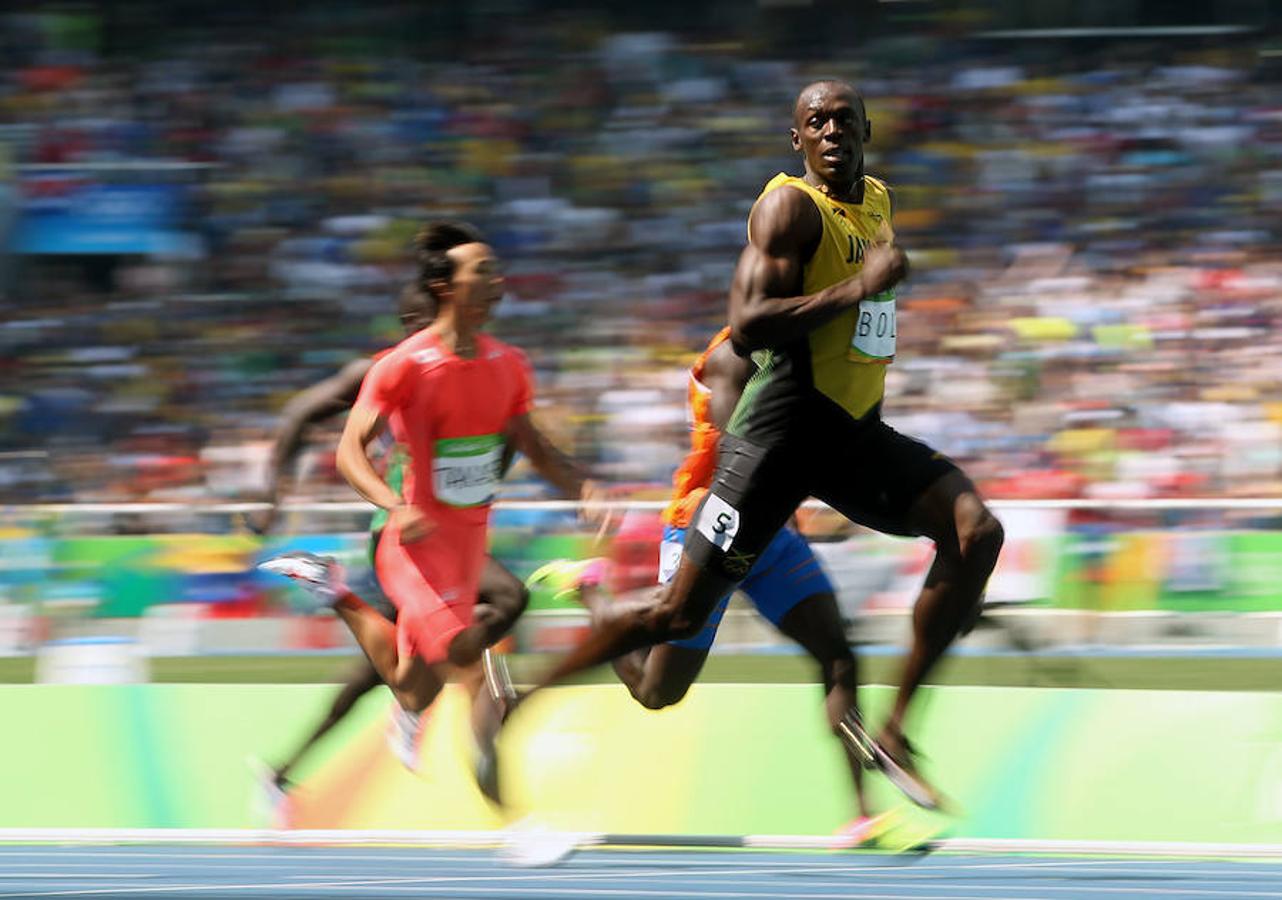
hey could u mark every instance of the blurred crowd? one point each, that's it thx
(1094, 227)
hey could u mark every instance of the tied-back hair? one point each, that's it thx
(433, 241)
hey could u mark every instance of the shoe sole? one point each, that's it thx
(871, 755)
(857, 741)
(905, 781)
(498, 678)
(293, 569)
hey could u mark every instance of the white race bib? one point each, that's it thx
(465, 471)
(874, 337)
(669, 560)
(718, 522)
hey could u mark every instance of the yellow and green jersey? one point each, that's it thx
(841, 365)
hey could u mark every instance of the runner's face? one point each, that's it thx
(419, 314)
(829, 132)
(477, 283)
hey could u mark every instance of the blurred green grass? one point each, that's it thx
(1146, 673)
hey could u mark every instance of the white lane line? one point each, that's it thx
(703, 889)
(974, 892)
(237, 837)
(268, 853)
(290, 857)
(177, 888)
(683, 893)
(80, 876)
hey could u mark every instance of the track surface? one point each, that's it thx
(277, 873)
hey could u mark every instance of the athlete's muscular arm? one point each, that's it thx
(562, 472)
(767, 308)
(724, 375)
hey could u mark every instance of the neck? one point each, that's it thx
(458, 339)
(849, 193)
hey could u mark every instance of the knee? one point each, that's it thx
(466, 648)
(499, 609)
(980, 539)
(415, 697)
(509, 601)
(404, 682)
(660, 695)
(520, 600)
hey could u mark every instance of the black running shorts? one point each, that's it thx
(865, 470)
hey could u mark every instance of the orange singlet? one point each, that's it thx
(691, 480)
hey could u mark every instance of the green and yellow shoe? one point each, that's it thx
(565, 578)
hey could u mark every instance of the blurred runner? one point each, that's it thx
(450, 394)
(501, 599)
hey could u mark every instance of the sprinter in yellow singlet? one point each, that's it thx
(813, 303)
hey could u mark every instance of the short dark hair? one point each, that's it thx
(433, 241)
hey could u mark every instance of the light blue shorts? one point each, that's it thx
(786, 573)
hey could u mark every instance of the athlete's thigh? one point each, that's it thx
(432, 582)
(669, 561)
(948, 507)
(786, 574)
(754, 491)
(875, 476)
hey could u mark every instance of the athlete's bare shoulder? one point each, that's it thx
(785, 223)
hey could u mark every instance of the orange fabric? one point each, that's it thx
(691, 480)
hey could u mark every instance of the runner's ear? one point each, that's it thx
(440, 289)
(867, 130)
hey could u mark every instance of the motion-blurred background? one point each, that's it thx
(206, 207)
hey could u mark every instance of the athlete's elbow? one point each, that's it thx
(746, 330)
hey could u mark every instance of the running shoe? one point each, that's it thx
(320, 576)
(271, 804)
(902, 773)
(856, 738)
(498, 680)
(861, 831)
(531, 844)
(565, 578)
(405, 736)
